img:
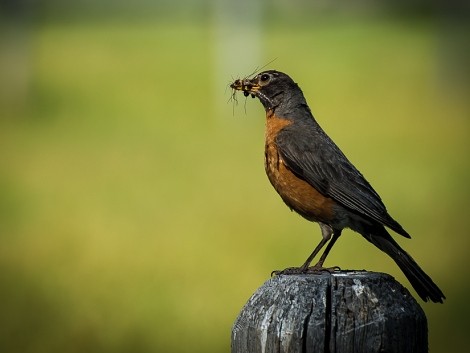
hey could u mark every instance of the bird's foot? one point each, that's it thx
(290, 271)
(319, 269)
(303, 270)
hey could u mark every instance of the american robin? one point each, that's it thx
(316, 180)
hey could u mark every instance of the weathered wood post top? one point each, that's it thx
(345, 311)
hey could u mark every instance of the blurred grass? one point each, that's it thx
(132, 219)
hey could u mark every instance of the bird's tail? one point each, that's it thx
(421, 282)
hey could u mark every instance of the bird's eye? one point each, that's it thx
(264, 77)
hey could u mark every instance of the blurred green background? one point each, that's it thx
(135, 215)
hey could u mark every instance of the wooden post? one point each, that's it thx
(346, 311)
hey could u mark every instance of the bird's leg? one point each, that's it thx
(319, 265)
(326, 231)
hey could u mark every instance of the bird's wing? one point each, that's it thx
(320, 162)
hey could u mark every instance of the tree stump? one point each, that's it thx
(346, 311)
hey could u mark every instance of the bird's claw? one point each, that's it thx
(301, 270)
(289, 271)
(319, 269)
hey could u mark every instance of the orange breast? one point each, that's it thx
(299, 195)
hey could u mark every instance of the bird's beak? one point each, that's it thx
(246, 85)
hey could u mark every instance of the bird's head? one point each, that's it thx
(273, 88)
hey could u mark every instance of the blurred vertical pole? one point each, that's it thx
(454, 48)
(237, 36)
(15, 57)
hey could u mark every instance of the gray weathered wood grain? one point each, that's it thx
(347, 311)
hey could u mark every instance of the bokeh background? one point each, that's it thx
(135, 215)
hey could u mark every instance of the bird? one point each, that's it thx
(315, 179)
